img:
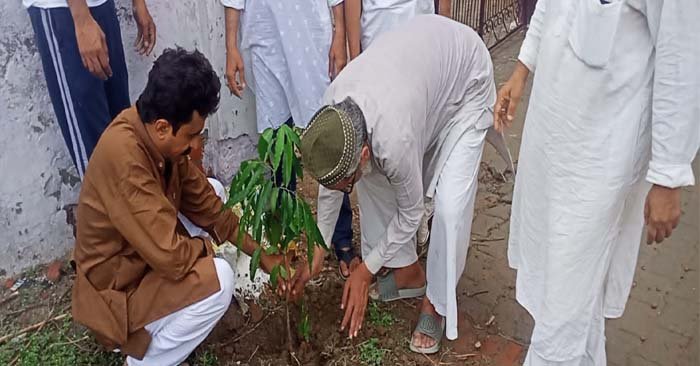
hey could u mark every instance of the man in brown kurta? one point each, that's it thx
(143, 285)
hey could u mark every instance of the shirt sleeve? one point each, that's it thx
(148, 221)
(531, 45)
(236, 4)
(200, 203)
(675, 125)
(405, 176)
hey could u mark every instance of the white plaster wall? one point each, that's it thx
(38, 178)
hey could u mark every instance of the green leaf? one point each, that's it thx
(283, 272)
(287, 165)
(294, 137)
(255, 262)
(273, 199)
(274, 274)
(275, 233)
(279, 150)
(272, 250)
(260, 210)
(298, 169)
(264, 143)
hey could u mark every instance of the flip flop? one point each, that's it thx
(385, 289)
(429, 326)
(344, 253)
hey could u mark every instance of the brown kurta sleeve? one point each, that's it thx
(200, 204)
(147, 220)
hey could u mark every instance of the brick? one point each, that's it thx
(53, 271)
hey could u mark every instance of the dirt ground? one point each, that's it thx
(660, 325)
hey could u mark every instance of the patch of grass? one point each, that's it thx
(378, 316)
(371, 353)
(205, 358)
(57, 345)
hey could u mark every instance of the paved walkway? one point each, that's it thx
(660, 324)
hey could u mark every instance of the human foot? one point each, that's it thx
(429, 329)
(399, 283)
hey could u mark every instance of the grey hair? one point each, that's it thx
(358, 123)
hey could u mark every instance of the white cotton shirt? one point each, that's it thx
(614, 107)
(379, 16)
(49, 4)
(285, 45)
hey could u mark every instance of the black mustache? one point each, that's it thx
(187, 152)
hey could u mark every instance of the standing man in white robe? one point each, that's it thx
(405, 120)
(610, 134)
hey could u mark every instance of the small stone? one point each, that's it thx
(682, 277)
(53, 271)
(643, 339)
(229, 350)
(477, 345)
(658, 289)
(256, 312)
(634, 284)
(644, 268)
(686, 268)
(654, 306)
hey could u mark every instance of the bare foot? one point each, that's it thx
(419, 339)
(411, 276)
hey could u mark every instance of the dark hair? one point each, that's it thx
(179, 83)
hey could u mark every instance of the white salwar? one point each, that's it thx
(426, 91)
(379, 16)
(287, 45)
(176, 335)
(615, 99)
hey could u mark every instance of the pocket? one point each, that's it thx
(593, 31)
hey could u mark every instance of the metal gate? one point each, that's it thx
(494, 20)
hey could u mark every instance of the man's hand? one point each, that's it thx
(235, 75)
(662, 212)
(268, 262)
(295, 287)
(508, 98)
(337, 57)
(91, 43)
(355, 299)
(146, 38)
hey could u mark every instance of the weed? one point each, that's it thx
(370, 352)
(56, 345)
(377, 316)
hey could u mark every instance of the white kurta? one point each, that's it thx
(379, 16)
(426, 90)
(615, 100)
(287, 44)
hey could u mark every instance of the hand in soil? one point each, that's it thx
(294, 289)
(347, 270)
(354, 300)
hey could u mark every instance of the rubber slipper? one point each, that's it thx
(385, 289)
(431, 327)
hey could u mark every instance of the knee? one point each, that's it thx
(225, 274)
(447, 209)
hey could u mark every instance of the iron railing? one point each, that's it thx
(494, 20)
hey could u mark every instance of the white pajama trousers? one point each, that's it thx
(454, 198)
(175, 336)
